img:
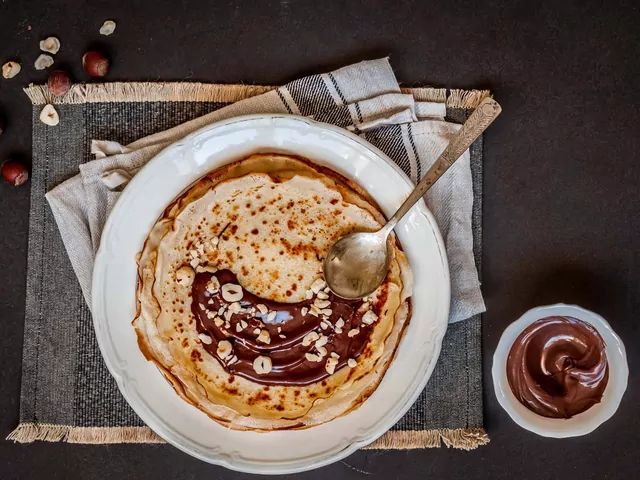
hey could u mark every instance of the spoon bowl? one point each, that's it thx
(358, 263)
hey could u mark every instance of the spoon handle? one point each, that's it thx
(477, 123)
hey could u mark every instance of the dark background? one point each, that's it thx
(561, 196)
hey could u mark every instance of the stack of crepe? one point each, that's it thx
(270, 219)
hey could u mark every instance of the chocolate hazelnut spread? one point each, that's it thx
(286, 327)
(558, 367)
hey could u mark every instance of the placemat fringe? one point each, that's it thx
(30, 432)
(460, 438)
(205, 92)
(144, 92)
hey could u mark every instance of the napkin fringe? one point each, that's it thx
(461, 438)
(206, 92)
(427, 94)
(466, 98)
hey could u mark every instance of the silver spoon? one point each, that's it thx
(358, 263)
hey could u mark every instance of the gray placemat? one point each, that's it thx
(67, 392)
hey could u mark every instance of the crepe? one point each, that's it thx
(248, 358)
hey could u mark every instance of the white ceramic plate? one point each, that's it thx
(114, 302)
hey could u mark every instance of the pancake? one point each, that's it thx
(233, 309)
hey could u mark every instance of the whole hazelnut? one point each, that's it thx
(14, 173)
(59, 83)
(95, 64)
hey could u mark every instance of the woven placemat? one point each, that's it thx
(74, 398)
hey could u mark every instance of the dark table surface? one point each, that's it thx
(561, 196)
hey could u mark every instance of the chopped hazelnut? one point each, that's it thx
(49, 116)
(50, 45)
(232, 292)
(185, 276)
(321, 303)
(10, 69)
(312, 357)
(213, 285)
(224, 349)
(369, 317)
(310, 337)
(108, 27)
(264, 337)
(262, 365)
(318, 285)
(43, 61)
(331, 364)
(262, 308)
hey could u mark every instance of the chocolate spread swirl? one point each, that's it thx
(286, 331)
(558, 367)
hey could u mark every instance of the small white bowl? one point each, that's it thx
(586, 421)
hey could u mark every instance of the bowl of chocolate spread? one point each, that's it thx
(560, 371)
